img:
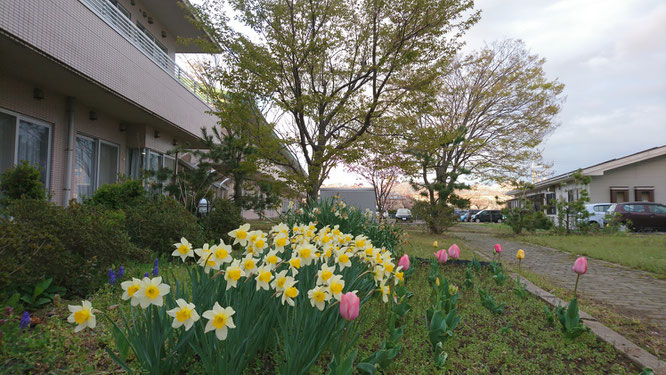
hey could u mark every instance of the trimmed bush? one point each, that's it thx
(122, 195)
(21, 181)
(158, 224)
(224, 218)
(75, 246)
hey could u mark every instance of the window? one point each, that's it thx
(634, 208)
(619, 195)
(25, 139)
(550, 201)
(122, 9)
(644, 194)
(601, 207)
(96, 165)
(657, 209)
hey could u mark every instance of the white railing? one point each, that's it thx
(114, 18)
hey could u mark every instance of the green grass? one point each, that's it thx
(420, 244)
(644, 252)
(529, 347)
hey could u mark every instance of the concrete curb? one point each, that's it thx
(634, 352)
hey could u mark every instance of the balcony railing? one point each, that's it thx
(114, 18)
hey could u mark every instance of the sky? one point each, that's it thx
(611, 56)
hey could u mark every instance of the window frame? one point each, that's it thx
(98, 142)
(49, 149)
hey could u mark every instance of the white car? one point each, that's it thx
(597, 213)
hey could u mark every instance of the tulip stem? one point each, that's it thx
(576, 287)
(519, 262)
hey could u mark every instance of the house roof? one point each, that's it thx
(601, 168)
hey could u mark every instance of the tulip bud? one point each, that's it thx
(580, 266)
(454, 251)
(441, 256)
(349, 306)
(453, 289)
(434, 244)
(404, 262)
(498, 248)
(521, 254)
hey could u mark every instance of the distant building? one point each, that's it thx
(637, 177)
(361, 198)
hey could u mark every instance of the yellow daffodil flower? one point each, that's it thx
(264, 277)
(82, 315)
(130, 290)
(240, 235)
(290, 292)
(335, 285)
(233, 273)
(183, 249)
(318, 297)
(219, 320)
(184, 314)
(222, 253)
(152, 292)
(325, 273)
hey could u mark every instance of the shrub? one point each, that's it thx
(73, 245)
(438, 218)
(21, 182)
(224, 218)
(158, 224)
(122, 195)
(525, 218)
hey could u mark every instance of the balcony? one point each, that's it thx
(128, 30)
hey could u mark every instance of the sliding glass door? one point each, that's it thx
(96, 165)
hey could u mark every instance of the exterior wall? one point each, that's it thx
(650, 172)
(360, 198)
(155, 28)
(16, 96)
(70, 33)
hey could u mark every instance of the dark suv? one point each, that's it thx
(643, 215)
(488, 216)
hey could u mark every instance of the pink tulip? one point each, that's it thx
(580, 266)
(349, 305)
(404, 262)
(441, 256)
(498, 248)
(454, 251)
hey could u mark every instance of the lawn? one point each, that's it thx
(529, 345)
(640, 251)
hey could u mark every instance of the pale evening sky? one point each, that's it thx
(611, 55)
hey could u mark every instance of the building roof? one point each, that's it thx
(601, 168)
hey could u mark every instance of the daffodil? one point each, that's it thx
(343, 260)
(280, 280)
(203, 252)
(290, 292)
(184, 314)
(398, 277)
(183, 249)
(264, 277)
(152, 292)
(335, 284)
(281, 228)
(209, 260)
(222, 253)
(294, 264)
(325, 273)
(318, 297)
(306, 252)
(82, 315)
(130, 290)
(272, 259)
(233, 273)
(249, 265)
(280, 241)
(260, 244)
(219, 319)
(386, 291)
(240, 235)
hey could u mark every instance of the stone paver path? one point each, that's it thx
(635, 293)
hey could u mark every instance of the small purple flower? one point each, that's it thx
(156, 268)
(121, 272)
(145, 274)
(25, 320)
(112, 276)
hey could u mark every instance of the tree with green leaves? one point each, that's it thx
(331, 68)
(571, 212)
(487, 114)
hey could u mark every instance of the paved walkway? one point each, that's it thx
(635, 293)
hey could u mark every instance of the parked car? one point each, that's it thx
(597, 213)
(468, 215)
(643, 215)
(488, 216)
(403, 214)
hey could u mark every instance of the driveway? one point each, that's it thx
(632, 292)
